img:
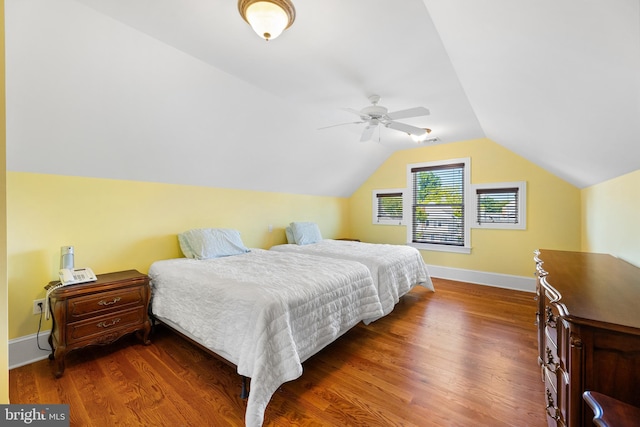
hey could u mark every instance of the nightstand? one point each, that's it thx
(98, 313)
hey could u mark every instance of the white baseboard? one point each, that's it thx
(506, 281)
(24, 350)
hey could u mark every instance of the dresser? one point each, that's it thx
(588, 317)
(98, 313)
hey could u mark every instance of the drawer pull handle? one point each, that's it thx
(555, 415)
(115, 300)
(108, 325)
(551, 319)
(551, 364)
(551, 405)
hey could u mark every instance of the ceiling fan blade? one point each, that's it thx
(411, 112)
(367, 133)
(342, 124)
(411, 130)
(354, 111)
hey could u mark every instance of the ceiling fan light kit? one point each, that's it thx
(268, 18)
(423, 137)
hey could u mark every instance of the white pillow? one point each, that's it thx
(306, 233)
(205, 243)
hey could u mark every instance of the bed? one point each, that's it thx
(263, 311)
(395, 269)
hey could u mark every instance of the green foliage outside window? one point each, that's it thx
(390, 207)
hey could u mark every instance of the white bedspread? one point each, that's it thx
(264, 311)
(395, 269)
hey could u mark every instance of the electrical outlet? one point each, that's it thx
(37, 309)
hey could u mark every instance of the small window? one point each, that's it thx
(387, 207)
(500, 205)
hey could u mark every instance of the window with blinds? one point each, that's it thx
(388, 207)
(438, 204)
(497, 206)
(500, 205)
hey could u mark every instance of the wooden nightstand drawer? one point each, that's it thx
(95, 326)
(105, 302)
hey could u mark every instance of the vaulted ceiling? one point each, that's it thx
(183, 91)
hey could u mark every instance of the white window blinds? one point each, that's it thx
(389, 206)
(497, 206)
(438, 210)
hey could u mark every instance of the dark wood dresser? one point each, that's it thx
(98, 313)
(588, 319)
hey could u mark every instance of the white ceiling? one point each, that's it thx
(209, 103)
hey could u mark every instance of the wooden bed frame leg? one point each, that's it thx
(244, 393)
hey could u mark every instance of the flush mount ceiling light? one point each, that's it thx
(268, 18)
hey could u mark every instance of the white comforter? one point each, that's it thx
(264, 311)
(395, 269)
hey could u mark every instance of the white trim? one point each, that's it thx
(24, 350)
(374, 207)
(522, 205)
(506, 281)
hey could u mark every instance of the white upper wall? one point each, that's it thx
(90, 96)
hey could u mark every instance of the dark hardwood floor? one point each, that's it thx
(462, 356)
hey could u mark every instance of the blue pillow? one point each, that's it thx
(289, 234)
(305, 233)
(205, 243)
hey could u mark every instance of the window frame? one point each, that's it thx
(408, 207)
(522, 205)
(374, 209)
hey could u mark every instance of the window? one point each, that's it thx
(438, 204)
(388, 207)
(501, 205)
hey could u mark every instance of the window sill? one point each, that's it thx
(441, 248)
(495, 226)
(387, 222)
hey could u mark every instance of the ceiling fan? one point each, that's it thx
(375, 115)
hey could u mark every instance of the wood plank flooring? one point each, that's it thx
(462, 356)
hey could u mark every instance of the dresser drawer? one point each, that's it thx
(91, 305)
(106, 324)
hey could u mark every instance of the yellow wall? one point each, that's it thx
(117, 225)
(4, 308)
(610, 213)
(553, 208)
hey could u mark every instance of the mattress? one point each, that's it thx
(395, 269)
(264, 311)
